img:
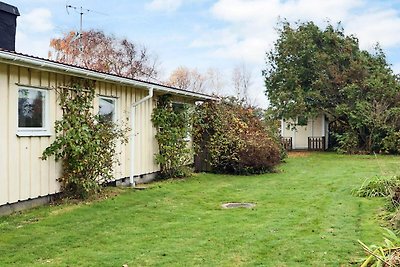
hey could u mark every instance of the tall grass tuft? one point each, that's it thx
(378, 186)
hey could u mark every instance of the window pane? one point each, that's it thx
(302, 120)
(31, 108)
(106, 109)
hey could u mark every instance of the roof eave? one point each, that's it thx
(46, 65)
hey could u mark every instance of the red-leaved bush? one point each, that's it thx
(232, 139)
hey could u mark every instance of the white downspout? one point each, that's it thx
(133, 133)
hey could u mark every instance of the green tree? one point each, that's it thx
(312, 70)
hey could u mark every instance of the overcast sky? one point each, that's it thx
(208, 33)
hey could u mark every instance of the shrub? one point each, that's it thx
(378, 186)
(346, 142)
(173, 125)
(391, 143)
(235, 139)
(85, 146)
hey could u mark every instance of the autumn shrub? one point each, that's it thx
(173, 124)
(235, 139)
(86, 147)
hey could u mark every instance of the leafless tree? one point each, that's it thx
(215, 81)
(241, 80)
(187, 79)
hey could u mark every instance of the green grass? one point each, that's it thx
(305, 216)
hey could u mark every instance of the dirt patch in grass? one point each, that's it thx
(299, 154)
(232, 205)
(107, 192)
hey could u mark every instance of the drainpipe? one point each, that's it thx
(133, 130)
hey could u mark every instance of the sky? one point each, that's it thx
(205, 34)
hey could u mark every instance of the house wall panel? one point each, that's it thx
(318, 126)
(35, 147)
(53, 168)
(44, 166)
(4, 122)
(13, 152)
(23, 175)
(25, 149)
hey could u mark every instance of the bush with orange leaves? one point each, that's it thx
(234, 139)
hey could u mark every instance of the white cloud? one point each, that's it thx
(164, 5)
(376, 25)
(250, 50)
(251, 23)
(34, 30)
(248, 31)
(214, 38)
(38, 20)
(32, 45)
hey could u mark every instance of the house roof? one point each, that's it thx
(24, 60)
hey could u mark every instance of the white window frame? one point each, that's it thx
(35, 131)
(114, 99)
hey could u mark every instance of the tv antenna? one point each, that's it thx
(81, 11)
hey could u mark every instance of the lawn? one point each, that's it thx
(305, 215)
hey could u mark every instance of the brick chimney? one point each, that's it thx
(8, 26)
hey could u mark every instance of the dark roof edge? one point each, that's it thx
(9, 9)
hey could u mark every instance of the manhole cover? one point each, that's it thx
(232, 205)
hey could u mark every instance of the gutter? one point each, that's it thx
(133, 134)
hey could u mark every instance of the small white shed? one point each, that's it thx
(305, 133)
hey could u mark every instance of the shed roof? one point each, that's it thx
(20, 59)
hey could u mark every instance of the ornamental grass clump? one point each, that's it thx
(378, 186)
(235, 140)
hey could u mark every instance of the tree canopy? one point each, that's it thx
(95, 50)
(312, 70)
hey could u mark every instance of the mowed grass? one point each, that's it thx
(305, 216)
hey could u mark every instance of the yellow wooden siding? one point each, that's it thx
(23, 175)
(4, 133)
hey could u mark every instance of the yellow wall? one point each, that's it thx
(23, 175)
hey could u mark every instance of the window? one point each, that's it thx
(302, 120)
(179, 108)
(32, 112)
(107, 109)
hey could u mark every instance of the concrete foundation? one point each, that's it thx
(7, 209)
(141, 179)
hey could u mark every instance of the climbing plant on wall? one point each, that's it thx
(85, 146)
(172, 122)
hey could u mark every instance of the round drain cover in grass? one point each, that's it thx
(232, 205)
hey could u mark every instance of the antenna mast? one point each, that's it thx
(81, 13)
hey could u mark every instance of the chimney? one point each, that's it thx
(8, 26)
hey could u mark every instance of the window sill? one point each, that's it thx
(33, 133)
